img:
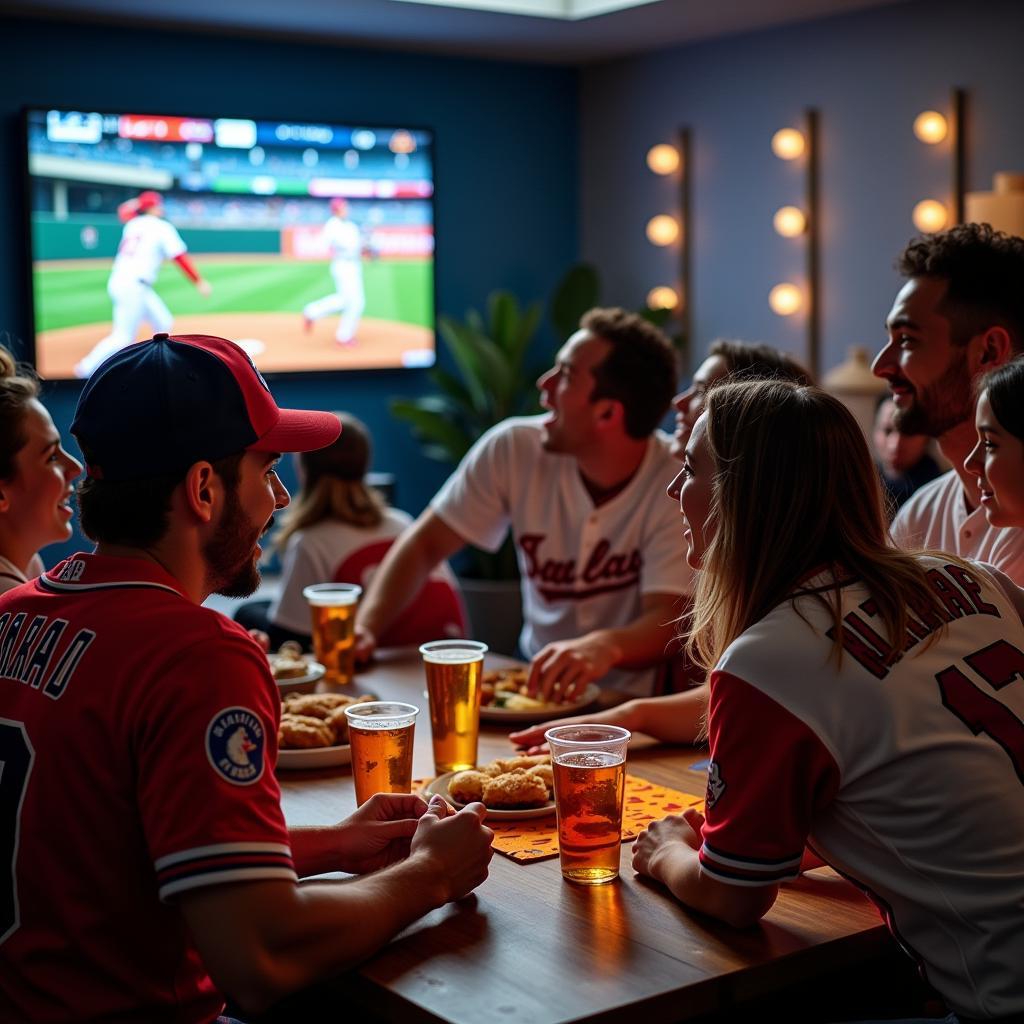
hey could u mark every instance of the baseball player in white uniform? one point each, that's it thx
(602, 564)
(146, 241)
(345, 243)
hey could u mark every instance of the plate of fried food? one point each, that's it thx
(510, 788)
(503, 698)
(314, 730)
(294, 671)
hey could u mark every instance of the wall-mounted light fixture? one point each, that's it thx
(662, 230)
(663, 159)
(791, 222)
(785, 299)
(667, 229)
(662, 297)
(932, 127)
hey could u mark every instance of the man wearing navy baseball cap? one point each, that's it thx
(143, 726)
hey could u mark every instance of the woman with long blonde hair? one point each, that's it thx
(864, 701)
(36, 477)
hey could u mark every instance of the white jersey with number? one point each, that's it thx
(936, 517)
(145, 243)
(583, 567)
(907, 777)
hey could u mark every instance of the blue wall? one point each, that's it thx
(869, 75)
(507, 173)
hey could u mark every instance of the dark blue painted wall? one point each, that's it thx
(507, 141)
(869, 74)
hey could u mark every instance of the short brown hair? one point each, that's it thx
(750, 361)
(640, 371)
(984, 271)
(137, 512)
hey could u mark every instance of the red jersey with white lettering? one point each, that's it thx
(582, 567)
(138, 735)
(905, 775)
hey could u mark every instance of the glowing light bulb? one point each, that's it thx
(662, 230)
(663, 159)
(662, 297)
(930, 126)
(789, 221)
(785, 299)
(787, 143)
(930, 216)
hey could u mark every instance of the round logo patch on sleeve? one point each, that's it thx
(235, 745)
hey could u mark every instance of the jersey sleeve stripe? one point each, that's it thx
(750, 863)
(231, 873)
(220, 849)
(740, 876)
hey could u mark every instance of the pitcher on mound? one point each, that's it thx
(345, 242)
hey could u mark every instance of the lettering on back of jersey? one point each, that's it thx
(72, 571)
(28, 651)
(959, 594)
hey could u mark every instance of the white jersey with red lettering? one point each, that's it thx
(146, 242)
(906, 776)
(583, 567)
(138, 735)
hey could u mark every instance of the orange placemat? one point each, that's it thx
(537, 838)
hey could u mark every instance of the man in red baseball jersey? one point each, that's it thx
(146, 864)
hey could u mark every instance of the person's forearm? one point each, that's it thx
(396, 582)
(678, 868)
(674, 718)
(317, 849)
(642, 642)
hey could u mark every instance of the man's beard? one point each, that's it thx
(230, 565)
(941, 406)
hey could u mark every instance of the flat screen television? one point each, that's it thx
(310, 245)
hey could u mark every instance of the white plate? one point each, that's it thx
(440, 787)
(489, 714)
(296, 684)
(314, 757)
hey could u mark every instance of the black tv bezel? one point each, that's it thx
(29, 353)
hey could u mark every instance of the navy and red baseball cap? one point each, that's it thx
(157, 407)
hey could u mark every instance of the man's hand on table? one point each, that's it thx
(454, 848)
(379, 832)
(561, 671)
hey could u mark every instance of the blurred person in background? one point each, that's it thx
(903, 460)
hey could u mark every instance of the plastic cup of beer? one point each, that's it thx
(454, 676)
(333, 608)
(589, 763)
(381, 734)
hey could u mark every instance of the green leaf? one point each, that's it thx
(432, 426)
(457, 338)
(504, 316)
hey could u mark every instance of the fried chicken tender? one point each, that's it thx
(304, 732)
(510, 764)
(515, 789)
(316, 705)
(545, 772)
(465, 787)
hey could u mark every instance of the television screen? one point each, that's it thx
(310, 245)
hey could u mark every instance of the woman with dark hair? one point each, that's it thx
(864, 701)
(35, 477)
(998, 458)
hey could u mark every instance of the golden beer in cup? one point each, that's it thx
(333, 609)
(454, 676)
(589, 763)
(381, 733)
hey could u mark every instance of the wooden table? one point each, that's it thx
(529, 948)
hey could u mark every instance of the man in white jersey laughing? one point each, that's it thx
(146, 241)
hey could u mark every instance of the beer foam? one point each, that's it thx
(589, 759)
(453, 656)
